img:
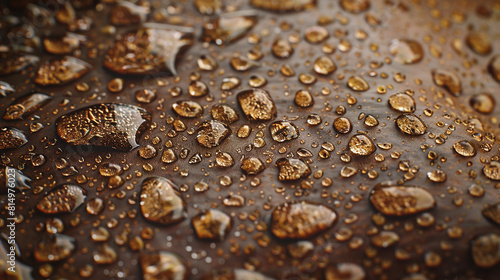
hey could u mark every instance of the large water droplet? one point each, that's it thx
(63, 199)
(411, 124)
(406, 51)
(479, 41)
(395, 200)
(212, 225)
(252, 166)
(257, 105)
(21, 182)
(187, 109)
(324, 65)
(283, 5)
(486, 250)
(104, 254)
(449, 80)
(355, 6)
(342, 125)
(385, 239)
(483, 103)
(152, 49)
(110, 125)
(301, 220)
(25, 106)
(402, 102)
(162, 265)
(464, 148)
(12, 138)
(284, 131)
(345, 271)
(282, 48)
(492, 213)
(304, 99)
(64, 44)
(16, 63)
(492, 170)
(224, 159)
(161, 201)
(361, 145)
(292, 169)
(211, 133)
(224, 113)
(61, 71)
(357, 83)
(228, 27)
(54, 248)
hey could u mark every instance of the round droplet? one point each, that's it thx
(147, 152)
(104, 254)
(211, 133)
(54, 248)
(162, 265)
(252, 166)
(479, 41)
(357, 83)
(411, 124)
(348, 171)
(402, 102)
(345, 271)
(187, 109)
(307, 79)
(224, 113)
(483, 103)
(303, 98)
(211, 225)
(244, 131)
(257, 104)
(110, 169)
(314, 119)
(361, 145)
(161, 202)
(476, 190)
(492, 170)
(168, 156)
(448, 80)
(95, 206)
(464, 148)
(316, 34)
(224, 159)
(342, 125)
(385, 239)
(283, 131)
(355, 6)
(437, 176)
(486, 250)
(198, 89)
(230, 83)
(207, 63)
(370, 121)
(145, 96)
(115, 85)
(324, 65)
(406, 51)
(494, 67)
(292, 169)
(257, 81)
(282, 48)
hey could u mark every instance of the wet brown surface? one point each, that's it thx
(453, 239)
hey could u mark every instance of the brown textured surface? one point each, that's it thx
(419, 20)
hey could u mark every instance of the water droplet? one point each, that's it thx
(345, 271)
(187, 109)
(476, 190)
(145, 96)
(104, 254)
(257, 81)
(304, 99)
(6, 88)
(357, 83)
(211, 133)
(11, 138)
(283, 5)
(168, 156)
(300, 249)
(161, 201)
(385, 239)
(492, 213)
(355, 6)
(301, 220)
(61, 71)
(406, 51)
(128, 13)
(25, 106)
(95, 206)
(115, 85)
(361, 145)
(211, 225)
(314, 119)
(437, 176)
(198, 89)
(307, 79)
(162, 265)
(492, 170)
(283, 131)
(244, 131)
(54, 247)
(100, 234)
(241, 63)
(209, 7)
(464, 148)
(252, 166)
(316, 34)
(63, 44)
(16, 63)
(479, 41)
(228, 27)
(449, 80)
(257, 105)
(110, 125)
(230, 83)
(196, 158)
(402, 102)
(486, 250)
(292, 169)
(411, 124)
(236, 274)
(483, 103)
(224, 159)
(394, 200)
(370, 121)
(282, 48)
(324, 65)
(151, 49)
(63, 199)
(342, 125)
(493, 67)
(348, 171)
(21, 182)
(207, 63)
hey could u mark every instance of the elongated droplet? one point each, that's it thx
(449, 80)
(411, 124)
(25, 106)
(396, 200)
(11, 138)
(292, 169)
(228, 27)
(283, 5)
(406, 51)
(61, 71)
(21, 182)
(63, 199)
(54, 248)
